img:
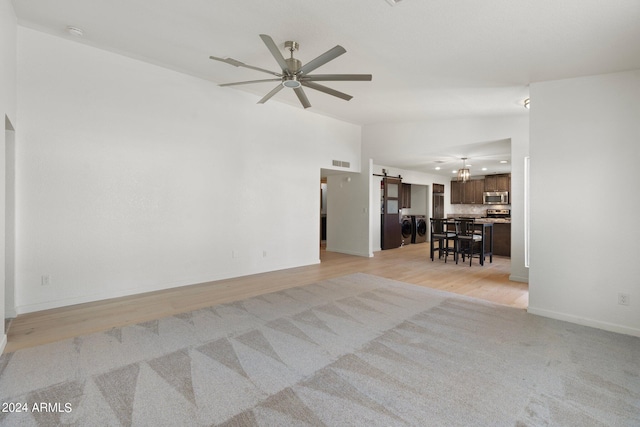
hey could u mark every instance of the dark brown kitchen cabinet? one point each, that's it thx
(473, 193)
(405, 196)
(502, 239)
(456, 192)
(500, 182)
(469, 193)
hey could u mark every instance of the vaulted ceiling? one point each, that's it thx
(430, 59)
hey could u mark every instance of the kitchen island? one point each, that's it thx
(500, 218)
(501, 232)
(501, 235)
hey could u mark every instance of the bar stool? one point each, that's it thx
(440, 233)
(469, 242)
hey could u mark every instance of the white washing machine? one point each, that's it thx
(420, 229)
(406, 228)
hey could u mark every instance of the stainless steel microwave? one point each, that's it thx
(496, 198)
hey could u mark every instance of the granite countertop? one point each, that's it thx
(481, 220)
(494, 220)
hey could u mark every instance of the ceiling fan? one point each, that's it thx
(294, 75)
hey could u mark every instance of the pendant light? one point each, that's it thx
(463, 174)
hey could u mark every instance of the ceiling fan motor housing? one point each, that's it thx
(293, 64)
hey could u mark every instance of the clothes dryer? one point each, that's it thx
(420, 229)
(406, 228)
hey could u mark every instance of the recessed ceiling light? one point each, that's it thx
(484, 169)
(503, 161)
(454, 171)
(437, 168)
(75, 31)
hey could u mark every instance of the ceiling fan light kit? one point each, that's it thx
(294, 75)
(291, 82)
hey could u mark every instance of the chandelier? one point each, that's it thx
(463, 174)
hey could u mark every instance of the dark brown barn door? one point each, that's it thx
(391, 229)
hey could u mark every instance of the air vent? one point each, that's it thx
(341, 164)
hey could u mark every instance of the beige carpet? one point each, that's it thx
(359, 351)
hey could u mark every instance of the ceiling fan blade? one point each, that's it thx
(329, 55)
(327, 90)
(237, 63)
(270, 94)
(250, 81)
(336, 78)
(273, 48)
(302, 97)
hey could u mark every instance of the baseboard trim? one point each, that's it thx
(349, 252)
(514, 278)
(10, 313)
(598, 324)
(152, 287)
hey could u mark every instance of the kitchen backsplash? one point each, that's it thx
(474, 210)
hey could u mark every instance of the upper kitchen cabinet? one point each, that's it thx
(501, 182)
(456, 192)
(473, 192)
(469, 193)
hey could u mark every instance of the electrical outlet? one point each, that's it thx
(624, 299)
(45, 280)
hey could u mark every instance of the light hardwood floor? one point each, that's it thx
(410, 264)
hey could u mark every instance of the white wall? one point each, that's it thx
(420, 200)
(134, 178)
(584, 244)
(8, 31)
(438, 135)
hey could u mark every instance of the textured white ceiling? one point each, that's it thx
(430, 59)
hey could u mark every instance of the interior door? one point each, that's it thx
(391, 229)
